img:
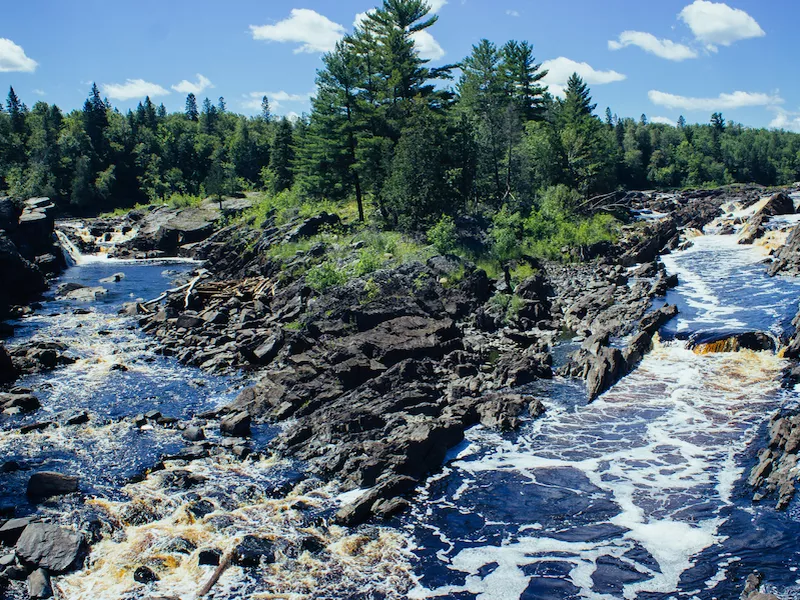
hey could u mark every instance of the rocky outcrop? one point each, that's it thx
(778, 204)
(775, 474)
(603, 365)
(787, 258)
(28, 251)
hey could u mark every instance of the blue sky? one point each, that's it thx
(663, 58)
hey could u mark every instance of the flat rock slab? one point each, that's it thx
(48, 546)
(47, 483)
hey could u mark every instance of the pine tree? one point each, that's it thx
(17, 111)
(209, 116)
(609, 117)
(266, 114)
(522, 77)
(482, 95)
(222, 107)
(681, 122)
(577, 103)
(282, 157)
(191, 108)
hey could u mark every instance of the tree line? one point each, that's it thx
(406, 142)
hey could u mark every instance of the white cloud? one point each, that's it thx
(427, 46)
(721, 102)
(786, 120)
(360, 17)
(512, 13)
(313, 31)
(133, 88)
(663, 121)
(559, 70)
(13, 58)
(716, 23)
(252, 100)
(650, 43)
(39, 92)
(436, 5)
(187, 87)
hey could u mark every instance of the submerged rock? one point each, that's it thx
(252, 550)
(47, 483)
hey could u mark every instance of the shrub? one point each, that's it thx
(368, 261)
(325, 276)
(444, 236)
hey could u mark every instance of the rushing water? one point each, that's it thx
(640, 494)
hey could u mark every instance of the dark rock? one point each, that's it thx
(47, 483)
(78, 419)
(8, 371)
(50, 547)
(188, 321)
(312, 226)
(501, 411)
(41, 426)
(194, 434)
(25, 402)
(39, 584)
(778, 204)
(236, 425)
(12, 529)
(144, 575)
(252, 550)
(209, 556)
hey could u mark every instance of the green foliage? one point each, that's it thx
(388, 145)
(178, 200)
(444, 235)
(371, 291)
(368, 262)
(325, 276)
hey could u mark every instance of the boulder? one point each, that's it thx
(39, 584)
(45, 484)
(10, 212)
(21, 278)
(787, 258)
(25, 402)
(312, 226)
(115, 278)
(236, 425)
(8, 372)
(49, 546)
(144, 575)
(252, 550)
(501, 411)
(12, 529)
(194, 434)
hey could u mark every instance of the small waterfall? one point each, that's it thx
(72, 255)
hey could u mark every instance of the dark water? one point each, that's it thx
(641, 493)
(638, 495)
(109, 449)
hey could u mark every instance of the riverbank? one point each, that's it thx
(361, 388)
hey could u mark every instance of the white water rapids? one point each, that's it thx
(638, 495)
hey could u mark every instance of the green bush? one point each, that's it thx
(325, 276)
(444, 236)
(368, 262)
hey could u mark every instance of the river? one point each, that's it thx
(641, 494)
